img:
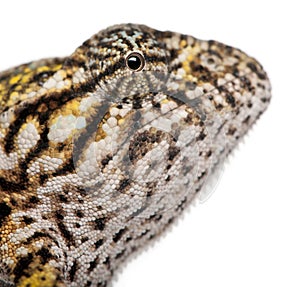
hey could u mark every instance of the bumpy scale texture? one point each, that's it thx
(102, 150)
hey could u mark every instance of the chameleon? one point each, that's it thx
(101, 151)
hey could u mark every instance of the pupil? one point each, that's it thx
(134, 62)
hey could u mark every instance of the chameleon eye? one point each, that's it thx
(135, 61)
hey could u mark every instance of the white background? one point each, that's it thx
(247, 233)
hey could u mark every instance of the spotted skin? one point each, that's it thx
(97, 160)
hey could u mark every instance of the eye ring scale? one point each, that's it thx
(135, 61)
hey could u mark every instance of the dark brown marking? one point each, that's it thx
(99, 243)
(230, 100)
(124, 184)
(119, 234)
(100, 223)
(22, 267)
(73, 270)
(173, 152)
(93, 264)
(5, 211)
(9, 186)
(27, 220)
(45, 255)
(120, 254)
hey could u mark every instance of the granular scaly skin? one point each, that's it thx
(98, 155)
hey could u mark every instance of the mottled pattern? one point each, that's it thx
(102, 150)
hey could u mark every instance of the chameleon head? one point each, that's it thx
(102, 150)
(126, 60)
